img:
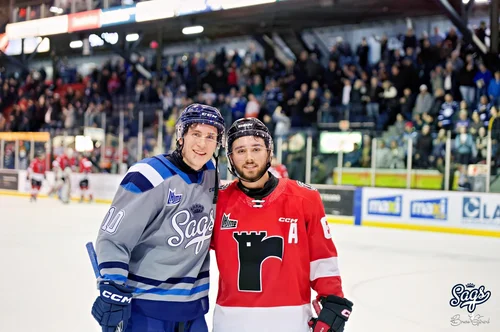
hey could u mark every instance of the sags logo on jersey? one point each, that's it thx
(429, 209)
(227, 222)
(193, 228)
(474, 210)
(173, 198)
(386, 206)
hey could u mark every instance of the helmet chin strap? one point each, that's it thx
(234, 172)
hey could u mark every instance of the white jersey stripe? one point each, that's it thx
(325, 267)
(149, 173)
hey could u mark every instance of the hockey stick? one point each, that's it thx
(93, 259)
(95, 267)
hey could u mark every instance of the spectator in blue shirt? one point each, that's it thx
(494, 89)
(448, 109)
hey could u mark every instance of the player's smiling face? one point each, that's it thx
(250, 157)
(199, 145)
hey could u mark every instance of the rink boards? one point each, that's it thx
(426, 210)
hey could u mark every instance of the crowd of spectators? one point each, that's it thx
(426, 87)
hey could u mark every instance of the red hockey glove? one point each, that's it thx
(332, 317)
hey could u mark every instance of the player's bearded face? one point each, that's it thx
(250, 157)
(199, 144)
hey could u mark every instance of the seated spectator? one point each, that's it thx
(475, 124)
(424, 101)
(465, 146)
(353, 158)
(423, 148)
(282, 123)
(399, 125)
(448, 109)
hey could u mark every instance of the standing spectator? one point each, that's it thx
(363, 53)
(481, 145)
(464, 146)
(423, 148)
(437, 81)
(462, 121)
(372, 98)
(482, 80)
(424, 101)
(466, 83)
(253, 108)
(383, 156)
(436, 38)
(311, 109)
(448, 109)
(483, 109)
(494, 89)
(475, 124)
(449, 82)
(397, 156)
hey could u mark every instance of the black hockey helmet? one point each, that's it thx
(248, 127)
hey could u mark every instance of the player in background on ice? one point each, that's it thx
(277, 169)
(273, 244)
(62, 168)
(153, 245)
(85, 168)
(36, 173)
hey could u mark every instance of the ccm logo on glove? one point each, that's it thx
(346, 313)
(116, 297)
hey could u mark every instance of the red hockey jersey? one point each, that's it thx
(37, 169)
(85, 166)
(270, 253)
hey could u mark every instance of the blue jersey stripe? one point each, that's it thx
(210, 165)
(159, 167)
(174, 169)
(155, 282)
(113, 265)
(136, 181)
(174, 291)
(115, 277)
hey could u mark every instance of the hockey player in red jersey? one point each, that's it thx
(36, 172)
(85, 168)
(273, 245)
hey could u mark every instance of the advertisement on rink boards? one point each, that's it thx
(338, 201)
(432, 208)
(8, 179)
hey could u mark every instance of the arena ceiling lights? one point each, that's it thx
(141, 12)
(192, 30)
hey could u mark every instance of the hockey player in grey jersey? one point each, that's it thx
(153, 244)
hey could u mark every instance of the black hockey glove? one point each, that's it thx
(332, 317)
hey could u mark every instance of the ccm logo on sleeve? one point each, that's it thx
(116, 297)
(288, 220)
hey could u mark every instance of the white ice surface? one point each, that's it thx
(399, 281)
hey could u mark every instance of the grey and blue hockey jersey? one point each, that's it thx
(155, 238)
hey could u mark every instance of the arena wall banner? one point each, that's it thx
(337, 200)
(8, 179)
(454, 212)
